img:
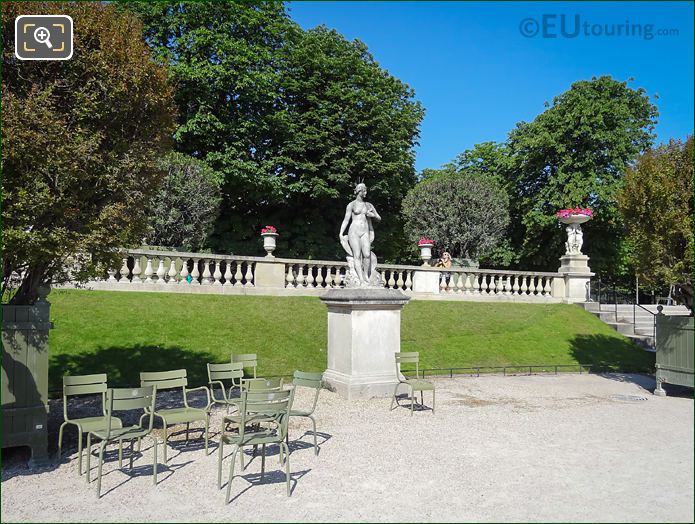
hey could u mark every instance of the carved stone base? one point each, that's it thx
(364, 333)
(577, 273)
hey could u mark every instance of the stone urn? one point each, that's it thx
(575, 237)
(269, 243)
(425, 251)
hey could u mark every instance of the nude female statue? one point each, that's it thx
(360, 235)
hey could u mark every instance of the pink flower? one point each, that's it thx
(564, 213)
(269, 229)
(425, 241)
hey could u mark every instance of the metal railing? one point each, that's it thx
(552, 368)
(617, 295)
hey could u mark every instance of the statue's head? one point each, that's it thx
(360, 187)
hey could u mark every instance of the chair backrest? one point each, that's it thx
(309, 380)
(273, 404)
(262, 384)
(126, 399)
(233, 371)
(248, 360)
(164, 379)
(412, 357)
(84, 385)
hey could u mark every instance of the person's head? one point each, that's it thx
(361, 188)
(446, 256)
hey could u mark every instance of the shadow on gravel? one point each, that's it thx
(611, 354)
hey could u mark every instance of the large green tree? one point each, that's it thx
(81, 139)
(465, 213)
(657, 204)
(291, 118)
(575, 154)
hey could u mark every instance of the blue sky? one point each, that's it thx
(477, 75)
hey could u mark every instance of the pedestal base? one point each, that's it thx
(575, 269)
(364, 333)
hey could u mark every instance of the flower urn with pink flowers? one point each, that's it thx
(269, 234)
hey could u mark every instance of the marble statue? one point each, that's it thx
(575, 239)
(357, 241)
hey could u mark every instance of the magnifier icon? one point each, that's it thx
(42, 35)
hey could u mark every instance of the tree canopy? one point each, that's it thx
(575, 154)
(657, 204)
(292, 119)
(465, 213)
(81, 142)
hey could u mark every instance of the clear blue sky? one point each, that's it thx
(477, 75)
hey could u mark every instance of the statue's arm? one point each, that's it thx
(371, 213)
(346, 220)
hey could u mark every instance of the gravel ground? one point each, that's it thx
(567, 448)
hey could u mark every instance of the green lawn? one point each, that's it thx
(123, 333)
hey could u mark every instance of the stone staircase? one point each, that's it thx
(635, 322)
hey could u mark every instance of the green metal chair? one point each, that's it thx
(416, 384)
(256, 384)
(248, 360)
(269, 408)
(124, 399)
(309, 380)
(228, 375)
(186, 414)
(84, 385)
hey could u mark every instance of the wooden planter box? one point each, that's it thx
(674, 351)
(25, 378)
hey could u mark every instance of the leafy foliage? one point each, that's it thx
(657, 205)
(575, 154)
(292, 119)
(183, 211)
(466, 214)
(81, 140)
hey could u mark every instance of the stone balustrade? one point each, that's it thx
(181, 272)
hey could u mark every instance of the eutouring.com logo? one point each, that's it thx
(573, 26)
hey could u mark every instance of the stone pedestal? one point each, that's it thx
(575, 268)
(426, 281)
(364, 333)
(269, 274)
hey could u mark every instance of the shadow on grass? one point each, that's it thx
(611, 354)
(123, 365)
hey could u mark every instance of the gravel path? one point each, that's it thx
(567, 448)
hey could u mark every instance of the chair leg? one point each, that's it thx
(139, 438)
(89, 454)
(433, 398)
(262, 460)
(154, 463)
(287, 468)
(101, 462)
(79, 451)
(395, 390)
(422, 398)
(207, 429)
(316, 446)
(165, 442)
(412, 402)
(60, 439)
(120, 454)
(231, 473)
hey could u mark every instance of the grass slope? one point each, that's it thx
(123, 333)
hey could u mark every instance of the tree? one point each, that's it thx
(575, 154)
(465, 214)
(81, 140)
(657, 205)
(291, 118)
(183, 211)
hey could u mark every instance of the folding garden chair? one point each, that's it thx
(309, 380)
(85, 385)
(124, 399)
(226, 377)
(248, 360)
(416, 384)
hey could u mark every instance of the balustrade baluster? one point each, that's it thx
(311, 278)
(172, 270)
(476, 284)
(322, 272)
(149, 271)
(399, 280)
(195, 274)
(228, 273)
(217, 274)
(207, 276)
(532, 286)
(547, 288)
(391, 282)
(289, 277)
(524, 287)
(112, 276)
(248, 275)
(408, 280)
(237, 274)
(160, 271)
(515, 285)
(184, 272)
(124, 272)
(301, 277)
(492, 286)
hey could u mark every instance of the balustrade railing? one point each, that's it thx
(496, 282)
(155, 270)
(171, 268)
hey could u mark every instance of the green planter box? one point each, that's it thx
(674, 351)
(25, 378)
